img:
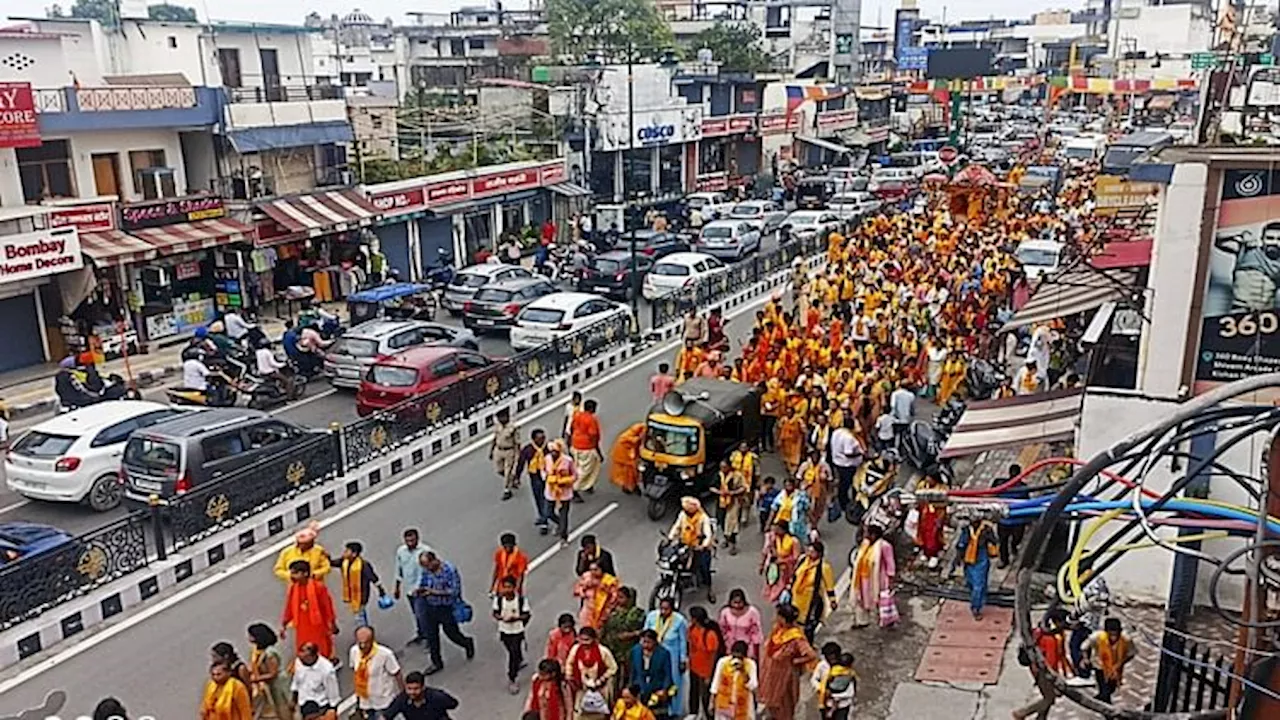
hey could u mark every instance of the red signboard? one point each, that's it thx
(837, 119)
(779, 123)
(733, 125)
(447, 192)
(397, 202)
(94, 217)
(552, 174)
(505, 182)
(19, 126)
(712, 182)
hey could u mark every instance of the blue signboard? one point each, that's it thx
(905, 52)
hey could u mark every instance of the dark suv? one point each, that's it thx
(495, 306)
(177, 455)
(609, 274)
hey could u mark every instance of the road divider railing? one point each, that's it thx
(75, 566)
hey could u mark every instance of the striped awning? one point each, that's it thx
(321, 213)
(115, 247)
(1015, 421)
(1074, 291)
(195, 235)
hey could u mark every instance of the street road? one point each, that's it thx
(156, 662)
(322, 406)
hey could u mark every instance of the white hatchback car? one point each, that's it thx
(556, 315)
(678, 271)
(76, 457)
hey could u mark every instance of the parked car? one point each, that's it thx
(555, 316)
(22, 539)
(847, 179)
(729, 239)
(809, 224)
(679, 271)
(411, 372)
(654, 244)
(853, 204)
(495, 306)
(467, 281)
(1039, 257)
(349, 358)
(192, 449)
(609, 274)
(75, 457)
(710, 205)
(887, 175)
(768, 214)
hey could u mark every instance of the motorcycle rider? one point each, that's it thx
(311, 347)
(315, 315)
(196, 374)
(694, 530)
(217, 335)
(71, 386)
(270, 369)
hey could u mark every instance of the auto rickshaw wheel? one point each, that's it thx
(656, 509)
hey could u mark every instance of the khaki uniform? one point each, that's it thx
(506, 450)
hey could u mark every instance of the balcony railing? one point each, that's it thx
(104, 99)
(284, 93)
(51, 100)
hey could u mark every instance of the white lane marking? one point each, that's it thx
(151, 611)
(15, 506)
(350, 702)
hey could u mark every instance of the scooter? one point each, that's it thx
(266, 393)
(982, 379)
(114, 388)
(219, 393)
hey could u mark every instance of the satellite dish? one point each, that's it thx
(674, 403)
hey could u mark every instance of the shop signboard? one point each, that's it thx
(398, 201)
(554, 173)
(1240, 315)
(712, 182)
(779, 123)
(169, 212)
(731, 125)
(651, 128)
(35, 254)
(501, 183)
(447, 192)
(833, 120)
(19, 124)
(93, 217)
(1113, 194)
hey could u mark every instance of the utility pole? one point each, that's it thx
(626, 199)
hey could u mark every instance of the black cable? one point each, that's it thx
(1217, 576)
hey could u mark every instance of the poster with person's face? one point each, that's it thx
(1240, 321)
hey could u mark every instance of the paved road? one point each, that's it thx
(457, 507)
(321, 407)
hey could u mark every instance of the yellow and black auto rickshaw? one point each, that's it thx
(688, 433)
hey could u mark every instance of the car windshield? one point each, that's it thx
(494, 295)
(543, 316)
(1079, 153)
(393, 376)
(667, 439)
(152, 454)
(1038, 257)
(669, 269)
(717, 232)
(803, 220)
(355, 347)
(43, 445)
(745, 210)
(607, 266)
(469, 280)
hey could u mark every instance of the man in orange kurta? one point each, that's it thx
(308, 609)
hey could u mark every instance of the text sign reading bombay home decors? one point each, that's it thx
(169, 212)
(19, 125)
(40, 253)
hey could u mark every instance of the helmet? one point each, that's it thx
(202, 332)
(192, 353)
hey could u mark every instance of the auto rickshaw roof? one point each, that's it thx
(724, 398)
(388, 292)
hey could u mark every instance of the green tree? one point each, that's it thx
(736, 46)
(172, 13)
(580, 28)
(106, 12)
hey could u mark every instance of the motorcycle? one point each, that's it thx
(219, 393)
(982, 379)
(920, 446)
(675, 573)
(439, 276)
(114, 388)
(266, 393)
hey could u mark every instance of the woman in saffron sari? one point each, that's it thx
(791, 440)
(785, 656)
(625, 458)
(225, 696)
(778, 561)
(952, 374)
(598, 592)
(733, 685)
(872, 587)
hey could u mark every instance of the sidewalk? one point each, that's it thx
(28, 392)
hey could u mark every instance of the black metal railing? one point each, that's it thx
(273, 93)
(1192, 677)
(71, 568)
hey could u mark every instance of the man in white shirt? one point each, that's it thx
(846, 456)
(902, 406)
(195, 374)
(236, 326)
(314, 679)
(268, 365)
(380, 666)
(884, 431)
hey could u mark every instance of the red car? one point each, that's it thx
(417, 370)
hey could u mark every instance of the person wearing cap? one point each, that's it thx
(693, 529)
(304, 547)
(1029, 380)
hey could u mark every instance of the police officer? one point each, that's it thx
(504, 451)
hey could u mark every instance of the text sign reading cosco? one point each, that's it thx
(656, 134)
(35, 254)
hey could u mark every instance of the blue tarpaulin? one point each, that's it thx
(388, 292)
(288, 136)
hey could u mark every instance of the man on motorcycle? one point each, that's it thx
(195, 375)
(311, 349)
(694, 530)
(71, 386)
(218, 336)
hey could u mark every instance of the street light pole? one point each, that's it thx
(626, 200)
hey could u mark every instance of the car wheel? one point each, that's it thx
(105, 494)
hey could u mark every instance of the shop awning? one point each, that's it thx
(321, 213)
(115, 247)
(568, 189)
(1016, 421)
(1072, 292)
(251, 140)
(825, 144)
(195, 235)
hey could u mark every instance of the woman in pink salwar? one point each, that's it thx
(739, 621)
(872, 587)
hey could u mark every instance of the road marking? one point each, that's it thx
(148, 612)
(15, 506)
(305, 400)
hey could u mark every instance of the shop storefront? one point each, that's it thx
(191, 272)
(33, 263)
(777, 130)
(103, 322)
(659, 163)
(729, 152)
(322, 240)
(826, 147)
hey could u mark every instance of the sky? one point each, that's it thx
(293, 11)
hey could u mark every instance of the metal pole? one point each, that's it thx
(626, 200)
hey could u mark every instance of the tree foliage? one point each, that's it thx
(172, 13)
(607, 29)
(737, 47)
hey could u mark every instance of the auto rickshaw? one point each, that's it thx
(688, 432)
(398, 301)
